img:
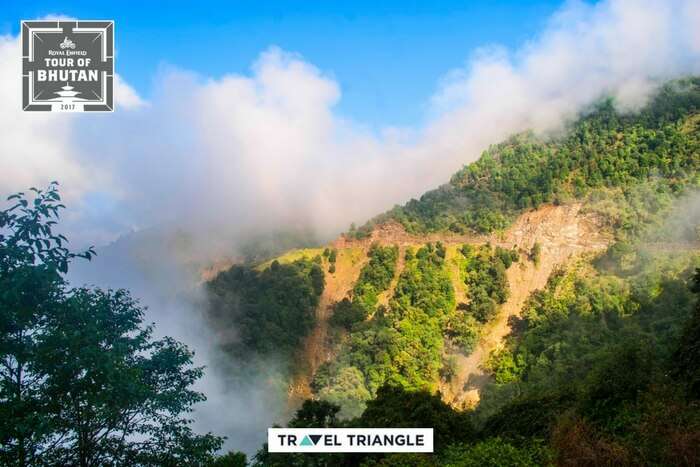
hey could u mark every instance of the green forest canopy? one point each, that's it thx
(603, 149)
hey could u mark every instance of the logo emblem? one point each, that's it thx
(67, 44)
(310, 440)
(350, 440)
(68, 66)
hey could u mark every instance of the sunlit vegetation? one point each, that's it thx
(603, 370)
(594, 351)
(602, 366)
(483, 270)
(485, 275)
(375, 277)
(401, 344)
(536, 253)
(602, 150)
(347, 313)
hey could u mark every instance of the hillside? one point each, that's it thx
(603, 149)
(537, 300)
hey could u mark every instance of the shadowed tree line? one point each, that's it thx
(83, 382)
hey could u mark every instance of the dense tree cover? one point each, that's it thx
(603, 149)
(496, 452)
(604, 366)
(230, 459)
(82, 380)
(424, 284)
(392, 406)
(687, 355)
(640, 212)
(396, 407)
(375, 276)
(462, 330)
(485, 276)
(401, 344)
(603, 370)
(347, 313)
(483, 270)
(456, 441)
(272, 309)
(565, 326)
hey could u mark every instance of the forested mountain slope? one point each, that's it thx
(537, 309)
(603, 149)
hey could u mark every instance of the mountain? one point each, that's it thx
(539, 308)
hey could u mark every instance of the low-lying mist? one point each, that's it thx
(165, 276)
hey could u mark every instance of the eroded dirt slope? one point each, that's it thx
(317, 349)
(562, 231)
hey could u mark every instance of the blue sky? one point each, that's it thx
(387, 57)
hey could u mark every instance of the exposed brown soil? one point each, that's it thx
(393, 233)
(400, 264)
(317, 348)
(562, 232)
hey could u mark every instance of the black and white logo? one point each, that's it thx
(68, 66)
(350, 439)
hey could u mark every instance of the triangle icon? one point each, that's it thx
(315, 438)
(306, 441)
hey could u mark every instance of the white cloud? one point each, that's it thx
(267, 148)
(35, 148)
(38, 147)
(125, 96)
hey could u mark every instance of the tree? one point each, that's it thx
(82, 381)
(687, 356)
(348, 390)
(315, 414)
(272, 310)
(31, 287)
(536, 253)
(496, 452)
(346, 314)
(312, 414)
(398, 408)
